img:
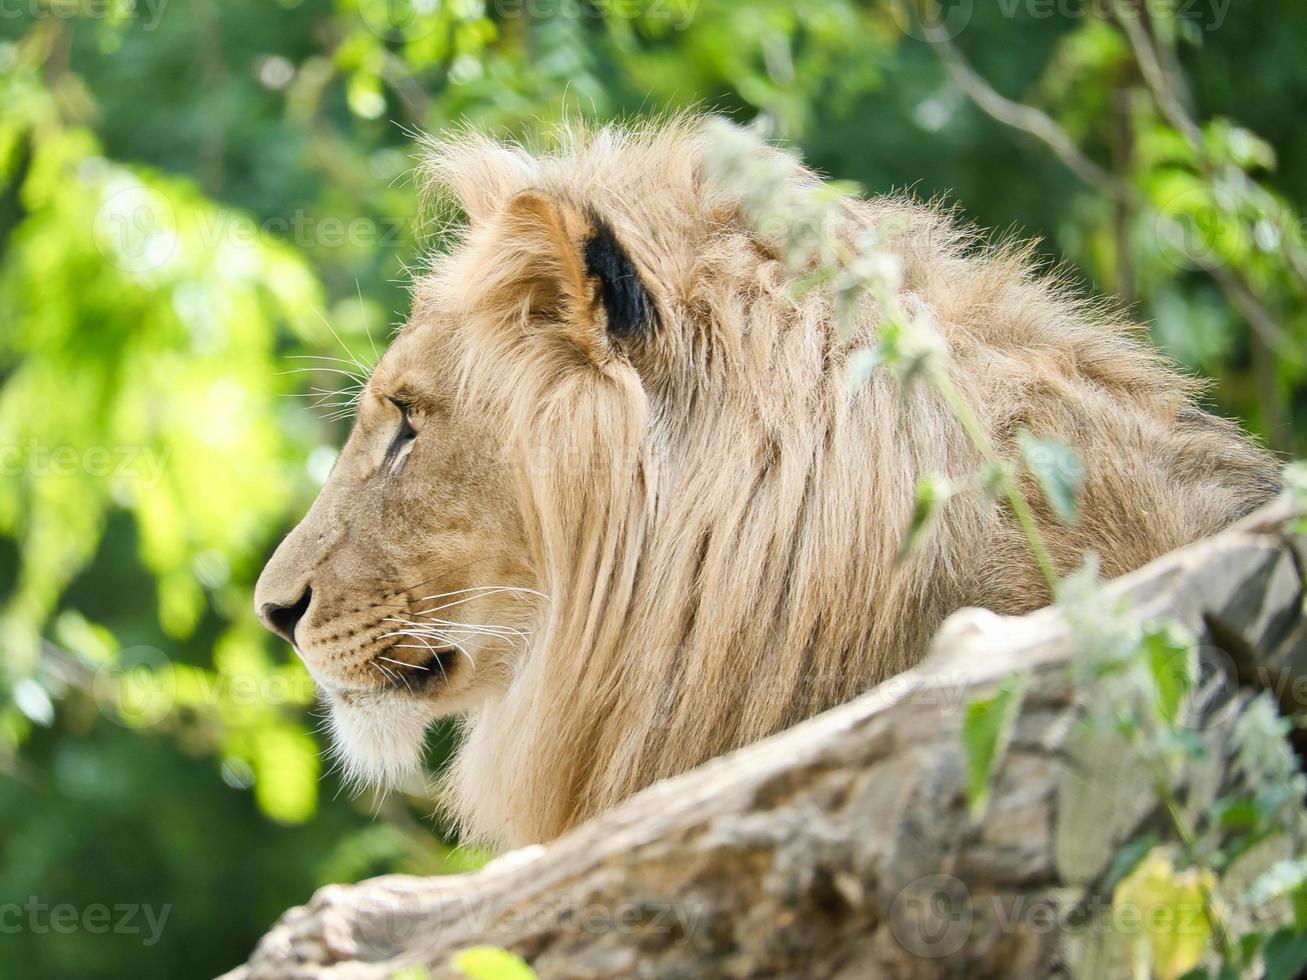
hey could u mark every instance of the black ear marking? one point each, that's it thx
(626, 302)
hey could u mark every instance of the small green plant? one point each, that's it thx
(1295, 478)
(492, 963)
(986, 728)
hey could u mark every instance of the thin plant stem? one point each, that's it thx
(1188, 840)
(980, 440)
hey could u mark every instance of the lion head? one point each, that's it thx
(611, 499)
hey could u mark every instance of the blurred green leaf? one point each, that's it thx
(1172, 905)
(986, 729)
(932, 494)
(1058, 469)
(491, 963)
(1285, 956)
(1170, 658)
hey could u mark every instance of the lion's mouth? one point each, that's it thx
(430, 671)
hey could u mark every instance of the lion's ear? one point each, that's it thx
(627, 305)
(552, 260)
(537, 257)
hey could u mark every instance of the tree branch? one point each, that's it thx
(1018, 115)
(1265, 332)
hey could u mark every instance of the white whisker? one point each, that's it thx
(484, 590)
(476, 627)
(401, 663)
(344, 346)
(376, 358)
(445, 639)
(435, 656)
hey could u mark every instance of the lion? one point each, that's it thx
(611, 500)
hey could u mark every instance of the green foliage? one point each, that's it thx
(1285, 955)
(1139, 680)
(191, 193)
(1142, 683)
(1295, 479)
(1057, 468)
(492, 963)
(1172, 943)
(932, 493)
(986, 730)
(1169, 657)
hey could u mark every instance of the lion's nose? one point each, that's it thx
(282, 620)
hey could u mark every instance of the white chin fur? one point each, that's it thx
(378, 739)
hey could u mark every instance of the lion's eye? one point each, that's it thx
(406, 432)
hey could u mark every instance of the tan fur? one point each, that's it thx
(712, 511)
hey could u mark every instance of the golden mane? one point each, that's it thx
(715, 513)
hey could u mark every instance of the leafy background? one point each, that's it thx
(195, 196)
